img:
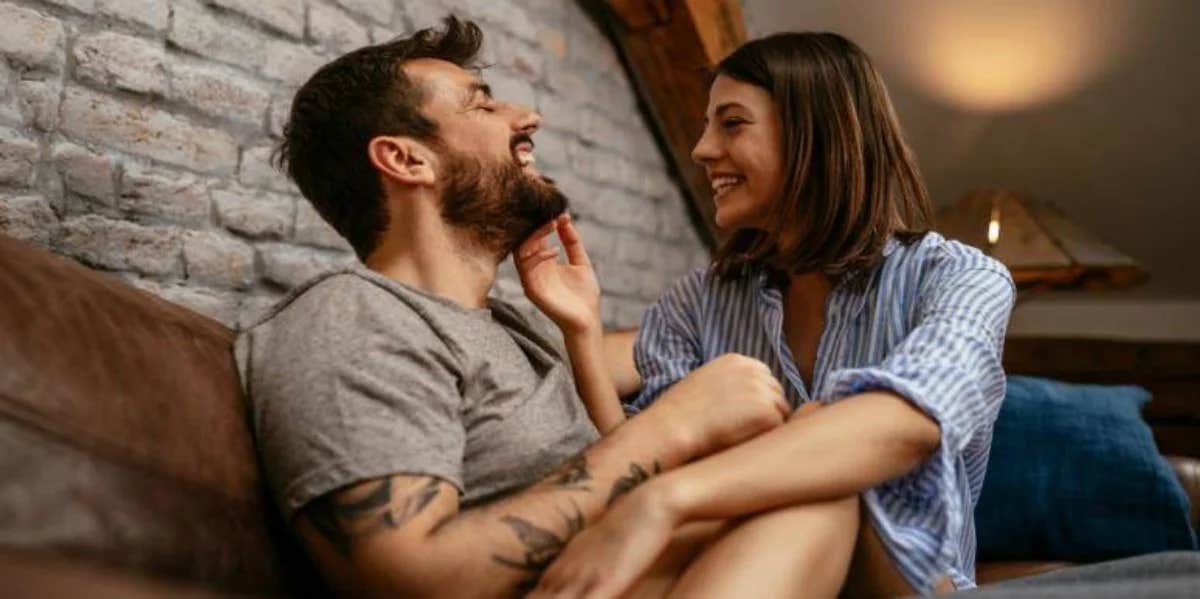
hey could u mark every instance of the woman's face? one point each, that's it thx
(741, 150)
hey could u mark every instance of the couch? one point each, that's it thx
(127, 461)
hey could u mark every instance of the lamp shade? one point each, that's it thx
(1036, 242)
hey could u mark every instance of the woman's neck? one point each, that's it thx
(805, 295)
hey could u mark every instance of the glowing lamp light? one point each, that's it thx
(999, 55)
(1040, 246)
(993, 233)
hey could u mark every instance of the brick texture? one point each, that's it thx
(136, 137)
(121, 61)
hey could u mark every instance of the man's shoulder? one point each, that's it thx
(340, 298)
(335, 316)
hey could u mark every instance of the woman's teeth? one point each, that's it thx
(721, 185)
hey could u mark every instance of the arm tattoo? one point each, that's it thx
(541, 545)
(341, 519)
(637, 475)
(574, 475)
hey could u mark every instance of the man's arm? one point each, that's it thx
(404, 535)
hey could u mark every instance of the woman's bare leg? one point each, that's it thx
(801, 551)
(873, 575)
(686, 544)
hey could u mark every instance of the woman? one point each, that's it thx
(831, 278)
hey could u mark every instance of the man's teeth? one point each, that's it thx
(526, 158)
(722, 184)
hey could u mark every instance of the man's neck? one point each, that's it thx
(438, 260)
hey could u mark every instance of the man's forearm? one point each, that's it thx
(502, 548)
(592, 379)
(840, 450)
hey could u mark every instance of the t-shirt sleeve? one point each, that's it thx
(348, 385)
(667, 347)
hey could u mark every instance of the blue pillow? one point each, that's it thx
(1074, 475)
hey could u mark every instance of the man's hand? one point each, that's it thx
(724, 402)
(566, 292)
(607, 558)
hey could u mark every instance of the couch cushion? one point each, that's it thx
(127, 438)
(1074, 475)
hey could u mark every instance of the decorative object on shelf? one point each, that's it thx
(1037, 243)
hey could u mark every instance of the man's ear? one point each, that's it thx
(402, 159)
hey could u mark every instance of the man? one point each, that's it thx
(423, 439)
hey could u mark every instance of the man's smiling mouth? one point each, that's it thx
(522, 152)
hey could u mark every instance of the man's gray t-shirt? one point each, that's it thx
(354, 376)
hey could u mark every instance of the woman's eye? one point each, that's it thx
(732, 123)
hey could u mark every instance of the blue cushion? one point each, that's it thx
(1074, 475)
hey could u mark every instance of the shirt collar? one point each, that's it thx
(769, 289)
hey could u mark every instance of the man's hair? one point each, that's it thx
(346, 103)
(850, 180)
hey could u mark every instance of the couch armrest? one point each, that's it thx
(1188, 470)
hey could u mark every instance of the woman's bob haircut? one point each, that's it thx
(850, 180)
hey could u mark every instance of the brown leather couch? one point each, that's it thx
(127, 464)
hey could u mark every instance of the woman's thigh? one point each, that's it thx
(801, 551)
(687, 542)
(873, 574)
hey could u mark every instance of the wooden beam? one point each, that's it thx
(671, 48)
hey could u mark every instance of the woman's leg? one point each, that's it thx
(873, 575)
(801, 551)
(687, 542)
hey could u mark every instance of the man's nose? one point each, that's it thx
(527, 120)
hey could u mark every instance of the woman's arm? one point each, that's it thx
(593, 380)
(569, 294)
(935, 389)
(618, 355)
(838, 451)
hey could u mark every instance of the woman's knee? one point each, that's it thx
(799, 549)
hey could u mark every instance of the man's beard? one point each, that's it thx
(498, 206)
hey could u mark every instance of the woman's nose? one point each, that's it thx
(705, 149)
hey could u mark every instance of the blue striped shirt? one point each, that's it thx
(927, 323)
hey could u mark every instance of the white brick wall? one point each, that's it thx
(136, 135)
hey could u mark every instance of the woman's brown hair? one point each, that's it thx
(851, 181)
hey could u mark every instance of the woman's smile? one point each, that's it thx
(724, 183)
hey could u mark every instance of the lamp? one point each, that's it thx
(1040, 247)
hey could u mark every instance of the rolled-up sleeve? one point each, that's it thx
(668, 343)
(949, 365)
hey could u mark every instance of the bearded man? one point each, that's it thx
(421, 438)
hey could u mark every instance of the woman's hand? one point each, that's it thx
(608, 557)
(566, 292)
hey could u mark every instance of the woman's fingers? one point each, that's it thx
(531, 261)
(572, 242)
(536, 241)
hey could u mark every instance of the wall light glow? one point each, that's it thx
(992, 55)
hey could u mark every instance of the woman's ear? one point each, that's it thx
(402, 159)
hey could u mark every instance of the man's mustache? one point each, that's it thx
(518, 138)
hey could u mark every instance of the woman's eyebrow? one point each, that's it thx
(726, 106)
(722, 107)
